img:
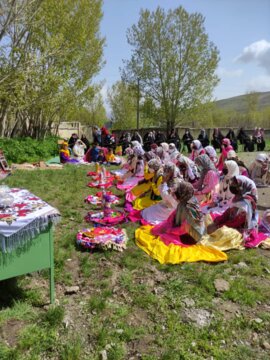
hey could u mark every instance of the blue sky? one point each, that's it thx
(239, 28)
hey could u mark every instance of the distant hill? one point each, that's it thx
(239, 103)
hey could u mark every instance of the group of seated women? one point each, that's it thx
(205, 200)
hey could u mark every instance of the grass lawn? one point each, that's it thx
(129, 305)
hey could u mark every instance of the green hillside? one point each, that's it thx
(240, 103)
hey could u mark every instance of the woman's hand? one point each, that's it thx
(211, 228)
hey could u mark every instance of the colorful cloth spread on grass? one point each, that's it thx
(111, 217)
(24, 220)
(102, 237)
(97, 199)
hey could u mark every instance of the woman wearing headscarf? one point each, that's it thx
(143, 185)
(226, 147)
(152, 196)
(187, 140)
(211, 152)
(188, 169)
(241, 215)
(157, 213)
(174, 240)
(78, 149)
(258, 169)
(242, 167)
(264, 226)
(162, 154)
(173, 152)
(207, 186)
(223, 198)
(197, 149)
(203, 138)
(136, 171)
(217, 138)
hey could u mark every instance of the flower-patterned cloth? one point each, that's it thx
(25, 219)
(102, 237)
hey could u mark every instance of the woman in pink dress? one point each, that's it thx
(197, 149)
(226, 147)
(206, 187)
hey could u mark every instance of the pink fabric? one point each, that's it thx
(134, 215)
(254, 239)
(171, 234)
(223, 157)
(130, 197)
(129, 183)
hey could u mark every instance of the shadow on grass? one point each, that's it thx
(10, 292)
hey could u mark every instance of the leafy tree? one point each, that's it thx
(123, 103)
(49, 53)
(174, 60)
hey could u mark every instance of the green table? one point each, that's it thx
(37, 256)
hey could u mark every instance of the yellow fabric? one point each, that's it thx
(119, 150)
(155, 186)
(224, 239)
(65, 152)
(148, 175)
(265, 244)
(144, 202)
(110, 157)
(174, 254)
(141, 189)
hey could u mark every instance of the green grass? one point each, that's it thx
(128, 303)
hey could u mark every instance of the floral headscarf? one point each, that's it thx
(138, 151)
(210, 151)
(247, 198)
(154, 164)
(206, 165)
(185, 195)
(149, 155)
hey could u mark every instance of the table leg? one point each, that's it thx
(52, 289)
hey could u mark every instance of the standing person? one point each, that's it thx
(217, 139)
(173, 138)
(160, 138)
(71, 142)
(260, 140)
(187, 140)
(96, 135)
(148, 140)
(203, 138)
(242, 136)
(136, 136)
(231, 136)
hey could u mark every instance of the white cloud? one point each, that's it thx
(225, 73)
(258, 52)
(259, 83)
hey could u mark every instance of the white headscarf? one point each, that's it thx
(233, 169)
(165, 146)
(262, 157)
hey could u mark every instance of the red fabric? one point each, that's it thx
(231, 219)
